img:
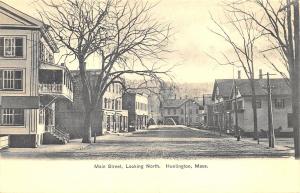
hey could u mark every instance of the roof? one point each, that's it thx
(175, 103)
(279, 87)
(244, 87)
(225, 86)
(11, 18)
(169, 103)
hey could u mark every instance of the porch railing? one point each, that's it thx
(50, 128)
(56, 89)
(50, 88)
(58, 131)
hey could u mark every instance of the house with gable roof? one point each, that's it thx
(182, 112)
(30, 81)
(224, 95)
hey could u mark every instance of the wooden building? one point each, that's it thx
(30, 81)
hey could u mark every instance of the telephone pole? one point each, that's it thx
(270, 114)
(296, 81)
(295, 73)
(237, 130)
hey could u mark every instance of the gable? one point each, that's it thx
(10, 17)
(6, 19)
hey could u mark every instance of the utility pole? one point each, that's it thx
(296, 81)
(185, 114)
(295, 74)
(237, 130)
(270, 114)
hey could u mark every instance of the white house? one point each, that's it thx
(30, 81)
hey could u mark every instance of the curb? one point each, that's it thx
(277, 147)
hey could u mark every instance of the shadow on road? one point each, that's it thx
(172, 132)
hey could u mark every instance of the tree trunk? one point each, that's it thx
(101, 116)
(295, 82)
(86, 99)
(87, 127)
(255, 132)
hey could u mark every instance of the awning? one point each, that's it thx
(51, 67)
(21, 102)
(123, 113)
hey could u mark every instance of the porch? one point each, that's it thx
(56, 81)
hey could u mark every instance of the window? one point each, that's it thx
(181, 111)
(290, 120)
(119, 89)
(279, 103)
(12, 117)
(108, 103)
(11, 80)
(11, 47)
(105, 103)
(169, 111)
(258, 103)
(174, 111)
(240, 105)
(113, 104)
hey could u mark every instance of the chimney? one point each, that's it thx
(239, 74)
(175, 96)
(260, 74)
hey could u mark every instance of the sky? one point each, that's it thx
(192, 40)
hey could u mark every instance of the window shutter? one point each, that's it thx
(1, 46)
(18, 80)
(1, 79)
(19, 47)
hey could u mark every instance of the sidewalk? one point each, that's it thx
(74, 144)
(263, 141)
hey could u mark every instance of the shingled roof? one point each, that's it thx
(279, 87)
(225, 87)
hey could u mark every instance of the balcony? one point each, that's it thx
(56, 89)
(56, 81)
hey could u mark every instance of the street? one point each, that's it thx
(158, 142)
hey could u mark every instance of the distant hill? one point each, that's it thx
(192, 90)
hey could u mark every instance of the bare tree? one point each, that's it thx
(282, 29)
(122, 34)
(276, 21)
(242, 43)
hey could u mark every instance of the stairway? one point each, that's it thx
(57, 135)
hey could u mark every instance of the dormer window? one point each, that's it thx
(11, 47)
